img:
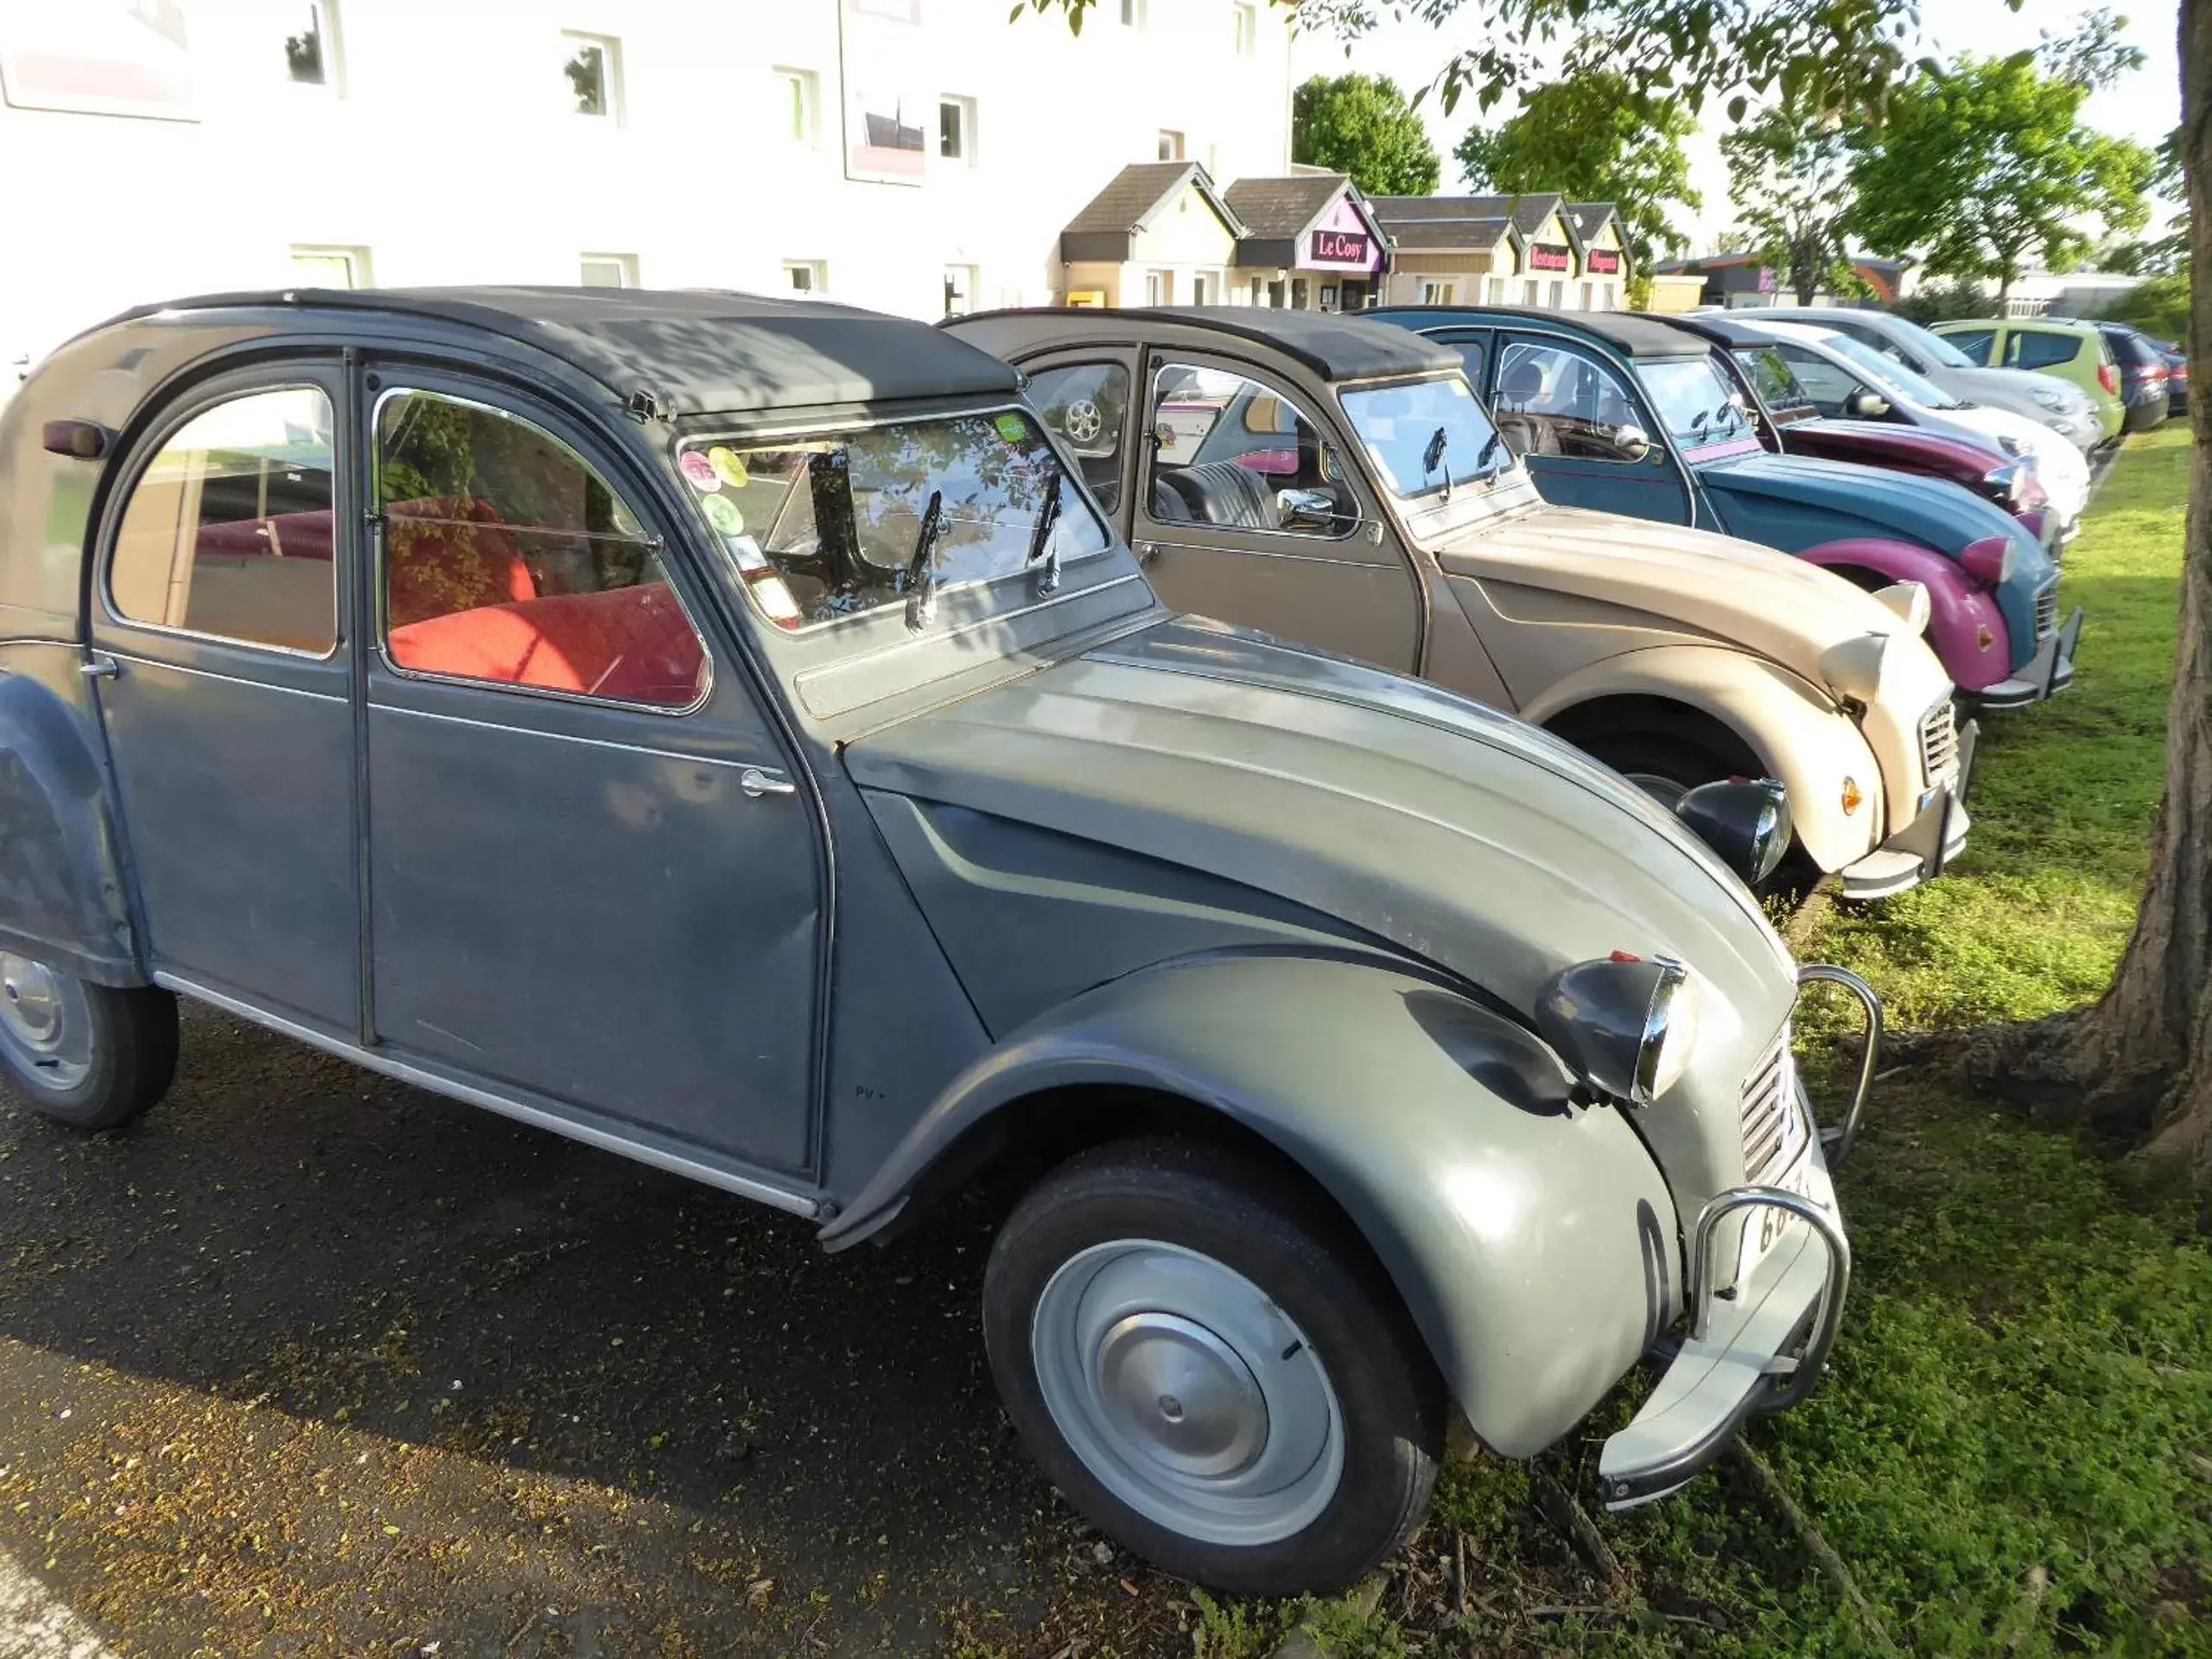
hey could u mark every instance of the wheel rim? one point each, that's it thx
(45, 1022)
(1187, 1392)
(1665, 791)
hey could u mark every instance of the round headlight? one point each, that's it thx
(1626, 1026)
(1746, 821)
(2050, 400)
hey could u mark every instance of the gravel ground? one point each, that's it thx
(311, 1363)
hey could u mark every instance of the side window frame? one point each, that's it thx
(571, 436)
(146, 448)
(1632, 395)
(1156, 360)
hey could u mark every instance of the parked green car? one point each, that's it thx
(2072, 351)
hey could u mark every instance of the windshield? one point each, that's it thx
(1424, 433)
(1778, 385)
(1945, 354)
(832, 527)
(1889, 374)
(1695, 400)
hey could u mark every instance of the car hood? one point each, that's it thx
(1718, 587)
(1460, 834)
(1920, 509)
(2006, 388)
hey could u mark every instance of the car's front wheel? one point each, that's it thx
(91, 1056)
(1208, 1365)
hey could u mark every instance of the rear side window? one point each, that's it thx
(228, 531)
(1972, 344)
(507, 558)
(2036, 349)
(1088, 404)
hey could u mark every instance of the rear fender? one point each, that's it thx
(1797, 733)
(1534, 1242)
(1961, 615)
(62, 898)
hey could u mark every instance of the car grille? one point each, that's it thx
(1773, 1130)
(1939, 740)
(2046, 613)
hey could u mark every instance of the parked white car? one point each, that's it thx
(1848, 377)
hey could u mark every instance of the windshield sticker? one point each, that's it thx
(721, 512)
(747, 552)
(698, 468)
(728, 466)
(1012, 428)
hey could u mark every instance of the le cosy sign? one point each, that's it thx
(1543, 256)
(1343, 248)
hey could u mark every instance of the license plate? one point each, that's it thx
(1766, 1227)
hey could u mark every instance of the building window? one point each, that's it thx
(956, 129)
(1133, 13)
(806, 276)
(1494, 291)
(311, 55)
(1532, 292)
(1155, 288)
(1329, 296)
(610, 270)
(1557, 295)
(961, 287)
(1170, 145)
(1605, 296)
(1439, 293)
(1247, 29)
(1198, 290)
(798, 105)
(594, 71)
(331, 267)
(1298, 292)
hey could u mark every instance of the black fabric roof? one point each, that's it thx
(1723, 329)
(1635, 333)
(1335, 346)
(698, 350)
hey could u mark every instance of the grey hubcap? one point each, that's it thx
(45, 1023)
(1190, 1395)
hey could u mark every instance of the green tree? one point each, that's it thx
(1789, 178)
(2138, 1066)
(1592, 140)
(1984, 165)
(1362, 125)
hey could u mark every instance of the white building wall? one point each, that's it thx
(450, 152)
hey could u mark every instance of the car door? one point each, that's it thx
(221, 644)
(1574, 420)
(591, 881)
(1249, 509)
(1084, 397)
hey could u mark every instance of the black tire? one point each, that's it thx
(128, 1056)
(1277, 1234)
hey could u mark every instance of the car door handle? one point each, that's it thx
(757, 781)
(101, 668)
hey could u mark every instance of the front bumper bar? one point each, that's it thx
(1923, 848)
(2049, 671)
(1761, 1345)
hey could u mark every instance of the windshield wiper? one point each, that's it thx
(1489, 448)
(1041, 544)
(921, 569)
(1433, 457)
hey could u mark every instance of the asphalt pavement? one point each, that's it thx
(312, 1363)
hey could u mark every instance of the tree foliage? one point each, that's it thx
(1363, 125)
(1789, 178)
(1588, 138)
(1984, 165)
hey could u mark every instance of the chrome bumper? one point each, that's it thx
(2047, 673)
(1761, 1345)
(1923, 848)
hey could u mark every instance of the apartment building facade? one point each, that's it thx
(913, 156)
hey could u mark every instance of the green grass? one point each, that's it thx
(2014, 1452)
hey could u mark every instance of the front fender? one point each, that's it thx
(62, 899)
(1534, 1242)
(1797, 733)
(1965, 625)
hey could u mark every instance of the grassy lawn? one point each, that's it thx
(2014, 1454)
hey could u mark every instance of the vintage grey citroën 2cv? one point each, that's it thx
(723, 730)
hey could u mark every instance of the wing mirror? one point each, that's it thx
(1747, 823)
(1306, 509)
(1633, 441)
(1865, 404)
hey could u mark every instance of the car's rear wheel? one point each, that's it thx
(93, 1057)
(1208, 1365)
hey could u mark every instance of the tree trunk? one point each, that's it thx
(2138, 1064)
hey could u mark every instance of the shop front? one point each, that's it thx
(1311, 243)
(1159, 234)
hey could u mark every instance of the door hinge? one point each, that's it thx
(100, 668)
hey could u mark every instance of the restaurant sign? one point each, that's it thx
(1602, 262)
(1341, 247)
(1342, 239)
(1543, 256)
